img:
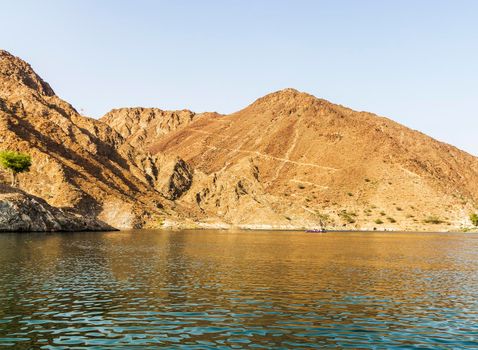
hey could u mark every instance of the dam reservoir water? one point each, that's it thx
(233, 290)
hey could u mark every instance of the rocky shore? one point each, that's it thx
(22, 212)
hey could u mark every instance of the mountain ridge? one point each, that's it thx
(288, 160)
(78, 162)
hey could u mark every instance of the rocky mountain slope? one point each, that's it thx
(144, 125)
(79, 162)
(291, 160)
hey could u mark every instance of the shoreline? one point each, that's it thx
(474, 231)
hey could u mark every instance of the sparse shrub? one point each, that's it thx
(392, 220)
(350, 194)
(367, 180)
(399, 209)
(348, 216)
(378, 222)
(301, 186)
(324, 219)
(435, 220)
(474, 219)
(382, 213)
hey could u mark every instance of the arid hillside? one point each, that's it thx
(80, 163)
(287, 161)
(293, 159)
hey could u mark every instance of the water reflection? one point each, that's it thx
(209, 289)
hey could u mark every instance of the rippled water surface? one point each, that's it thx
(227, 290)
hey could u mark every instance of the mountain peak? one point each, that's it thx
(286, 93)
(15, 71)
(285, 98)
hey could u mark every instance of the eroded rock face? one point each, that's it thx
(175, 177)
(20, 211)
(234, 195)
(141, 126)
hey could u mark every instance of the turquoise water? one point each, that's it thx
(232, 290)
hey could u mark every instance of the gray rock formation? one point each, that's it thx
(20, 211)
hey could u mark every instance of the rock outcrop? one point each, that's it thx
(140, 126)
(20, 211)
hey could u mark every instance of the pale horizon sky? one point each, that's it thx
(415, 62)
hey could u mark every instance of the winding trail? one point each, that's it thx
(287, 155)
(268, 156)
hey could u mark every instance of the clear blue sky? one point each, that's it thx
(414, 61)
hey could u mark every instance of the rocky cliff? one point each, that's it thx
(79, 162)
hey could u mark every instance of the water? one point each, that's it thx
(231, 290)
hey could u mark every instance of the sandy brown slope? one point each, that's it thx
(293, 159)
(81, 163)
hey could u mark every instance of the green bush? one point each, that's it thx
(378, 222)
(15, 162)
(474, 219)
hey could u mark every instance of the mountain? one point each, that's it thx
(79, 163)
(287, 161)
(292, 160)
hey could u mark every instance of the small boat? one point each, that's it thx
(318, 230)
